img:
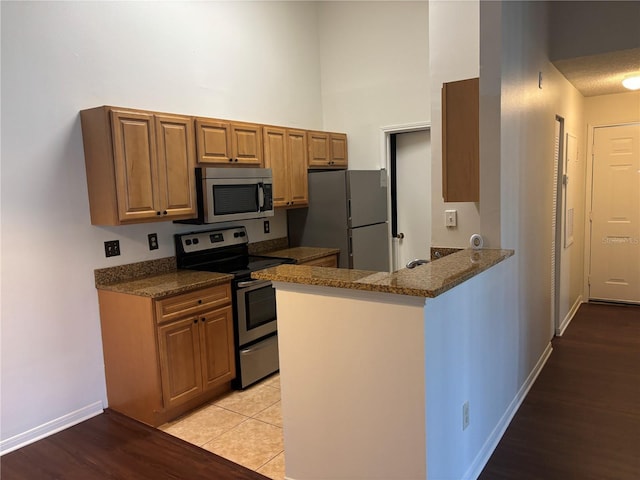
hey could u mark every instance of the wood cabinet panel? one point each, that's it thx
(139, 165)
(164, 357)
(180, 361)
(338, 144)
(135, 164)
(192, 303)
(216, 339)
(176, 163)
(461, 141)
(285, 153)
(223, 143)
(327, 150)
(214, 141)
(247, 144)
(297, 154)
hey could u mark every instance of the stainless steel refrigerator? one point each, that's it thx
(347, 210)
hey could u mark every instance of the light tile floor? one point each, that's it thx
(243, 426)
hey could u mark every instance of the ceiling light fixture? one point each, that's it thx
(632, 83)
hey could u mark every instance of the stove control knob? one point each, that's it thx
(196, 241)
(242, 234)
(187, 242)
(236, 234)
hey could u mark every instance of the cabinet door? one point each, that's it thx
(275, 159)
(297, 170)
(214, 142)
(180, 361)
(246, 140)
(319, 149)
(176, 163)
(339, 150)
(216, 345)
(134, 150)
(461, 141)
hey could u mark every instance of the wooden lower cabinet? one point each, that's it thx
(158, 367)
(328, 261)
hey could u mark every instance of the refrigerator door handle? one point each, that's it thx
(349, 210)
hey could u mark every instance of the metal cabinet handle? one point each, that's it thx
(400, 236)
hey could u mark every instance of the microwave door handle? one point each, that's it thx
(260, 197)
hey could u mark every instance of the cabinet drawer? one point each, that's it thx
(193, 302)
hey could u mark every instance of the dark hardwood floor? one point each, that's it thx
(112, 446)
(581, 418)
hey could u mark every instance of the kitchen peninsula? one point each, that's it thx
(368, 360)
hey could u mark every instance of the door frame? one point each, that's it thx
(385, 163)
(588, 202)
(557, 215)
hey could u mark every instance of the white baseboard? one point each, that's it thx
(49, 428)
(475, 469)
(567, 319)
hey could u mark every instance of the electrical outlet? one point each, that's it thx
(112, 248)
(266, 226)
(153, 241)
(465, 415)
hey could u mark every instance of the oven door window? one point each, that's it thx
(237, 198)
(260, 307)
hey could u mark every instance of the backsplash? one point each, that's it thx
(106, 276)
(439, 252)
(268, 245)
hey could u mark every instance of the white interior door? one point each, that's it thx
(413, 180)
(615, 215)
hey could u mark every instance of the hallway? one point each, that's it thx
(581, 418)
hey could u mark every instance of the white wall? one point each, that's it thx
(527, 172)
(454, 37)
(238, 60)
(375, 71)
(471, 355)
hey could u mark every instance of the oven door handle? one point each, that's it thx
(251, 283)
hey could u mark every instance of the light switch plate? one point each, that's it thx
(450, 218)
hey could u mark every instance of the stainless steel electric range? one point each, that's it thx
(254, 301)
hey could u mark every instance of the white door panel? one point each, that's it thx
(615, 228)
(413, 177)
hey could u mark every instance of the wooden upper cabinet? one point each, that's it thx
(176, 163)
(214, 141)
(135, 163)
(338, 144)
(222, 143)
(461, 141)
(327, 150)
(285, 153)
(297, 155)
(139, 165)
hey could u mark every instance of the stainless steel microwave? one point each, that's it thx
(230, 194)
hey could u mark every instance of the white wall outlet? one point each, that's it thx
(450, 218)
(465, 415)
